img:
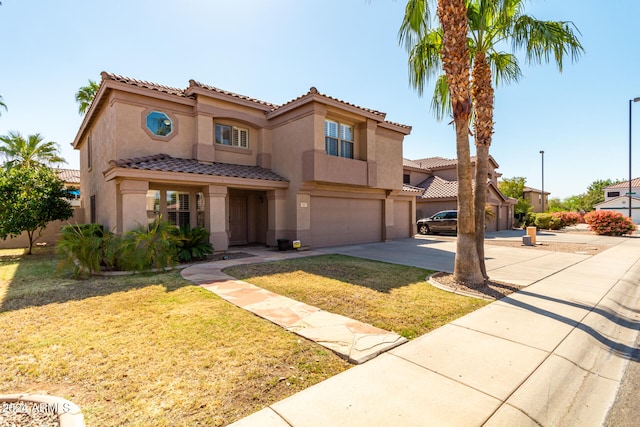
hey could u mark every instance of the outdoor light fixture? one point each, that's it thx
(542, 152)
(631, 101)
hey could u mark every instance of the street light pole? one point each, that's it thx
(631, 101)
(542, 152)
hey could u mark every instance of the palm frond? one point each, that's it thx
(542, 40)
(504, 67)
(424, 60)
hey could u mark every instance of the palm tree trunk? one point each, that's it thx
(455, 58)
(482, 95)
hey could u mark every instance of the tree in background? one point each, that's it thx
(30, 198)
(31, 152)
(584, 202)
(514, 188)
(2, 105)
(85, 96)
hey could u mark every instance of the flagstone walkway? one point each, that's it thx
(352, 340)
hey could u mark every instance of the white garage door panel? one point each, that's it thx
(336, 221)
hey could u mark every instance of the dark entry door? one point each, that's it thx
(238, 220)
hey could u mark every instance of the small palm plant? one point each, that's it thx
(149, 246)
(85, 249)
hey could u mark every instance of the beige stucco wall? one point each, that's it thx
(49, 235)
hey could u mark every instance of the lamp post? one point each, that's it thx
(542, 152)
(631, 101)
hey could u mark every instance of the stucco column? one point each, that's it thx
(277, 216)
(215, 216)
(388, 229)
(370, 143)
(204, 149)
(303, 218)
(134, 205)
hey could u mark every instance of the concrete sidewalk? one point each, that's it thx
(552, 354)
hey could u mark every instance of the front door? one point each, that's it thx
(238, 220)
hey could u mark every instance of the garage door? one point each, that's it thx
(336, 221)
(402, 219)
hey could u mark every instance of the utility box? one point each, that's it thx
(531, 232)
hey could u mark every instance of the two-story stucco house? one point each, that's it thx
(315, 169)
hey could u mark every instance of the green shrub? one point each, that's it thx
(149, 246)
(609, 223)
(547, 221)
(193, 243)
(529, 219)
(85, 248)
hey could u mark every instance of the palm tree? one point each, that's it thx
(85, 96)
(453, 55)
(2, 104)
(490, 24)
(32, 152)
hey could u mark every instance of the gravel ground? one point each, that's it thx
(25, 414)
(492, 289)
(576, 248)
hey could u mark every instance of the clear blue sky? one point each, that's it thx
(276, 50)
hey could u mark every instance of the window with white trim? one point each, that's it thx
(338, 139)
(232, 136)
(178, 208)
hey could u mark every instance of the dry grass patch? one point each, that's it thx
(144, 350)
(389, 296)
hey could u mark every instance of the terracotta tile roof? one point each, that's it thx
(411, 188)
(435, 162)
(69, 176)
(273, 107)
(166, 163)
(143, 84)
(438, 188)
(193, 83)
(625, 184)
(407, 163)
(313, 91)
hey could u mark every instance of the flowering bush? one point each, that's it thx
(567, 219)
(609, 223)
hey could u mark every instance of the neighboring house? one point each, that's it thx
(71, 181)
(534, 196)
(434, 180)
(616, 198)
(622, 189)
(315, 169)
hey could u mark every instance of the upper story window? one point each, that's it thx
(406, 178)
(338, 139)
(613, 193)
(231, 135)
(159, 123)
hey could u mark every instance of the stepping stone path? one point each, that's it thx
(352, 340)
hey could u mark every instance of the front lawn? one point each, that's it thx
(390, 296)
(144, 350)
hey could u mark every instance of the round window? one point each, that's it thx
(159, 123)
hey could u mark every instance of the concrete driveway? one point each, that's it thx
(521, 266)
